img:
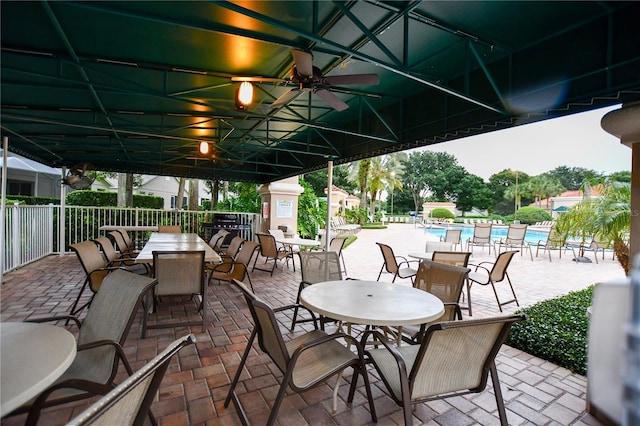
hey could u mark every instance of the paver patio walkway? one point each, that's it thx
(192, 393)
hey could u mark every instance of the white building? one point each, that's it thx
(30, 178)
(160, 186)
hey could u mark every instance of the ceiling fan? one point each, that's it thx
(308, 78)
(80, 176)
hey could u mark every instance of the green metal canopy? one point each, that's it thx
(135, 86)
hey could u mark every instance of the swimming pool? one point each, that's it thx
(497, 232)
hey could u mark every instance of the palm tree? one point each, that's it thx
(605, 218)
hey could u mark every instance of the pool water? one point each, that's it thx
(532, 236)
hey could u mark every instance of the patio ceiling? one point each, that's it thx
(135, 86)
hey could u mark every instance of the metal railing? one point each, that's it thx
(31, 232)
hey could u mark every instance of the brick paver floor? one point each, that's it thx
(536, 392)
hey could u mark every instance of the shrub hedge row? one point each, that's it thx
(556, 330)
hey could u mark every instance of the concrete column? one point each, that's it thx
(624, 123)
(280, 204)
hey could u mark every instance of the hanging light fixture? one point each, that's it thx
(204, 148)
(244, 95)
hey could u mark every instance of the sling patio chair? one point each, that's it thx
(481, 236)
(179, 273)
(115, 259)
(232, 249)
(453, 236)
(516, 234)
(96, 269)
(129, 403)
(316, 266)
(555, 241)
(101, 337)
(491, 274)
(446, 283)
(217, 240)
(454, 358)
(456, 258)
(270, 251)
(336, 245)
(402, 269)
(305, 361)
(123, 243)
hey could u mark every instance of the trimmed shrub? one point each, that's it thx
(106, 199)
(32, 201)
(531, 215)
(441, 213)
(556, 330)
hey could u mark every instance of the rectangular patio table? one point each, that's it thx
(176, 242)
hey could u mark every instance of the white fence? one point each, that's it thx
(32, 232)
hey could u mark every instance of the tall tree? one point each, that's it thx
(125, 190)
(541, 187)
(436, 174)
(572, 177)
(471, 192)
(181, 184)
(194, 193)
(363, 176)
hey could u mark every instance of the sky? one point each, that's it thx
(574, 141)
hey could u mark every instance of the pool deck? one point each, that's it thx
(536, 392)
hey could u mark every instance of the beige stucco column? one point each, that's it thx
(624, 123)
(280, 203)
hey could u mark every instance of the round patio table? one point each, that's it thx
(32, 357)
(372, 303)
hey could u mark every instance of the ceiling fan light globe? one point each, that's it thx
(244, 95)
(204, 148)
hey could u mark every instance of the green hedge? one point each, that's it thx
(441, 213)
(33, 201)
(531, 215)
(107, 199)
(556, 330)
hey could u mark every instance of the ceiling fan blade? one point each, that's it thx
(258, 79)
(285, 98)
(352, 79)
(304, 62)
(332, 100)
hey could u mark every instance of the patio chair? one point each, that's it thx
(516, 234)
(446, 283)
(316, 266)
(96, 269)
(595, 246)
(217, 240)
(232, 249)
(123, 243)
(456, 258)
(481, 236)
(115, 259)
(305, 361)
(554, 241)
(129, 403)
(236, 268)
(454, 358)
(270, 251)
(497, 273)
(179, 273)
(336, 245)
(402, 269)
(173, 229)
(100, 339)
(453, 236)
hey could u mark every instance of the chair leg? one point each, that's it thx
(231, 396)
(380, 273)
(75, 304)
(498, 394)
(493, 286)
